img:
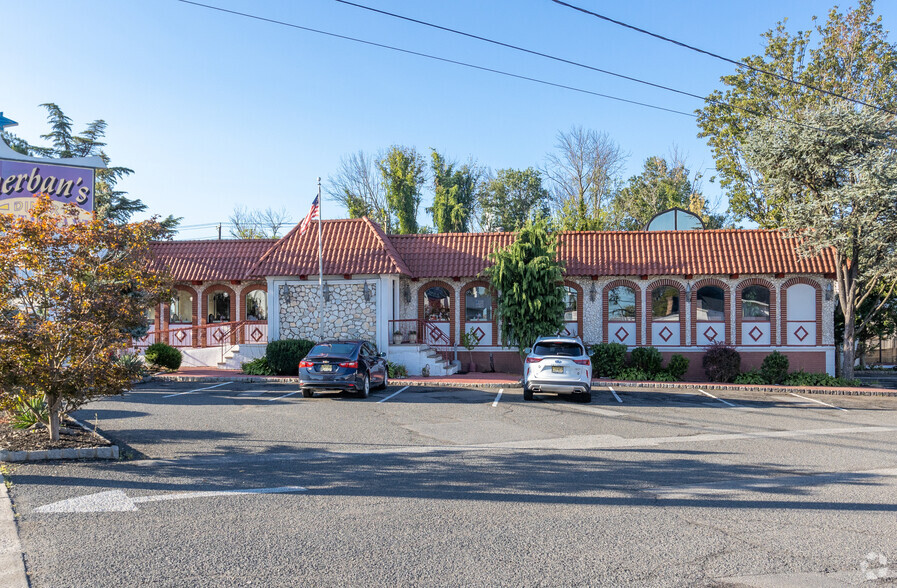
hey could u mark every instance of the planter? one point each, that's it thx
(412, 338)
(397, 338)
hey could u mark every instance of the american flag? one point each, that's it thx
(312, 215)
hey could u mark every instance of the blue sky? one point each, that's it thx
(214, 111)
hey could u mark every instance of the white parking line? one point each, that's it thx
(498, 397)
(726, 402)
(818, 401)
(393, 394)
(620, 400)
(198, 389)
(284, 396)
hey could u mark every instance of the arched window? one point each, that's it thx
(437, 304)
(711, 304)
(181, 308)
(219, 307)
(571, 304)
(257, 306)
(477, 304)
(621, 304)
(665, 303)
(755, 303)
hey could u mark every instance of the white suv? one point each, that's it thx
(560, 365)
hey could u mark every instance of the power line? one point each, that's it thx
(442, 59)
(735, 62)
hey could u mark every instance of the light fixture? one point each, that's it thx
(406, 293)
(326, 292)
(476, 291)
(285, 294)
(593, 292)
(687, 290)
(829, 291)
(367, 293)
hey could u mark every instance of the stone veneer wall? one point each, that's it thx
(346, 316)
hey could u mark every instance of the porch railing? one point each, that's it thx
(424, 333)
(209, 335)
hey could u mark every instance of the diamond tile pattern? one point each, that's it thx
(711, 333)
(801, 333)
(665, 334)
(621, 334)
(755, 334)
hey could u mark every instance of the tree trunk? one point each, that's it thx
(53, 412)
(848, 352)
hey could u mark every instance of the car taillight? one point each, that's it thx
(349, 364)
(583, 361)
(533, 359)
(305, 364)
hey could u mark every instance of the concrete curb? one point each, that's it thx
(12, 563)
(246, 379)
(107, 452)
(450, 384)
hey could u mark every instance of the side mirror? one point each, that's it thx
(383, 354)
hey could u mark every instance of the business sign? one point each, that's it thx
(22, 182)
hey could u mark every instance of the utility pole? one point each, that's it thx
(219, 231)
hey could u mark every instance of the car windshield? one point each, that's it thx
(335, 349)
(564, 348)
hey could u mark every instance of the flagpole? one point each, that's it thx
(320, 270)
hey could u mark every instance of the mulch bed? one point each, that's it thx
(37, 439)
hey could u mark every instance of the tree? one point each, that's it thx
(662, 185)
(454, 194)
(511, 198)
(877, 314)
(402, 169)
(109, 201)
(528, 278)
(358, 186)
(583, 174)
(258, 224)
(852, 58)
(836, 174)
(72, 294)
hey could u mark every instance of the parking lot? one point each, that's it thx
(251, 484)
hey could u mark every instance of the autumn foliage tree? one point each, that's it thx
(71, 295)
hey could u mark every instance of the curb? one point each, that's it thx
(246, 379)
(449, 384)
(107, 452)
(12, 563)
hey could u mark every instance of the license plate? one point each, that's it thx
(557, 369)
(326, 367)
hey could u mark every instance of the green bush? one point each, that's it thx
(608, 359)
(751, 378)
(647, 359)
(664, 376)
(721, 363)
(132, 362)
(396, 370)
(163, 355)
(805, 379)
(633, 373)
(774, 368)
(29, 412)
(677, 366)
(283, 356)
(258, 367)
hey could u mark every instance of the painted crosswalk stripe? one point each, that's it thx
(198, 390)
(620, 400)
(818, 401)
(498, 397)
(726, 402)
(393, 394)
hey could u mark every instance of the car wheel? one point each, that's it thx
(527, 393)
(385, 381)
(308, 393)
(365, 387)
(584, 397)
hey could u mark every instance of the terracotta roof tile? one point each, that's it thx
(227, 259)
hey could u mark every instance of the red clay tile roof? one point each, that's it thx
(227, 259)
(350, 246)
(448, 254)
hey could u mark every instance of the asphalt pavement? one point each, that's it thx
(237, 484)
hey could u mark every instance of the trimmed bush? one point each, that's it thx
(802, 378)
(632, 373)
(721, 363)
(608, 359)
(751, 378)
(774, 368)
(647, 359)
(258, 367)
(664, 376)
(163, 355)
(283, 356)
(678, 366)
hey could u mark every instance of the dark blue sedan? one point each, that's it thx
(352, 366)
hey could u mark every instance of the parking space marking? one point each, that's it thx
(620, 400)
(198, 389)
(498, 396)
(818, 401)
(393, 394)
(284, 396)
(726, 402)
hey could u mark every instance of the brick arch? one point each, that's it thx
(784, 302)
(453, 305)
(462, 310)
(773, 322)
(579, 304)
(638, 308)
(727, 307)
(244, 293)
(649, 314)
(205, 302)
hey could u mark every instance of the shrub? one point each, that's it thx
(608, 359)
(283, 356)
(774, 368)
(258, 367)
(163, 355)
(802, 378)
(677, 366)
(28, 412)
(664, 376)
(721, 363)
(396, 370)
(632, 373)
(751, 378)
(131, 362)
(647, 359)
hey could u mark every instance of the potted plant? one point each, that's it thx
(412, 337)
(468, 342)
(397, 337)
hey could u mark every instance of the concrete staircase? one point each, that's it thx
(237, 355)
(415, 357)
